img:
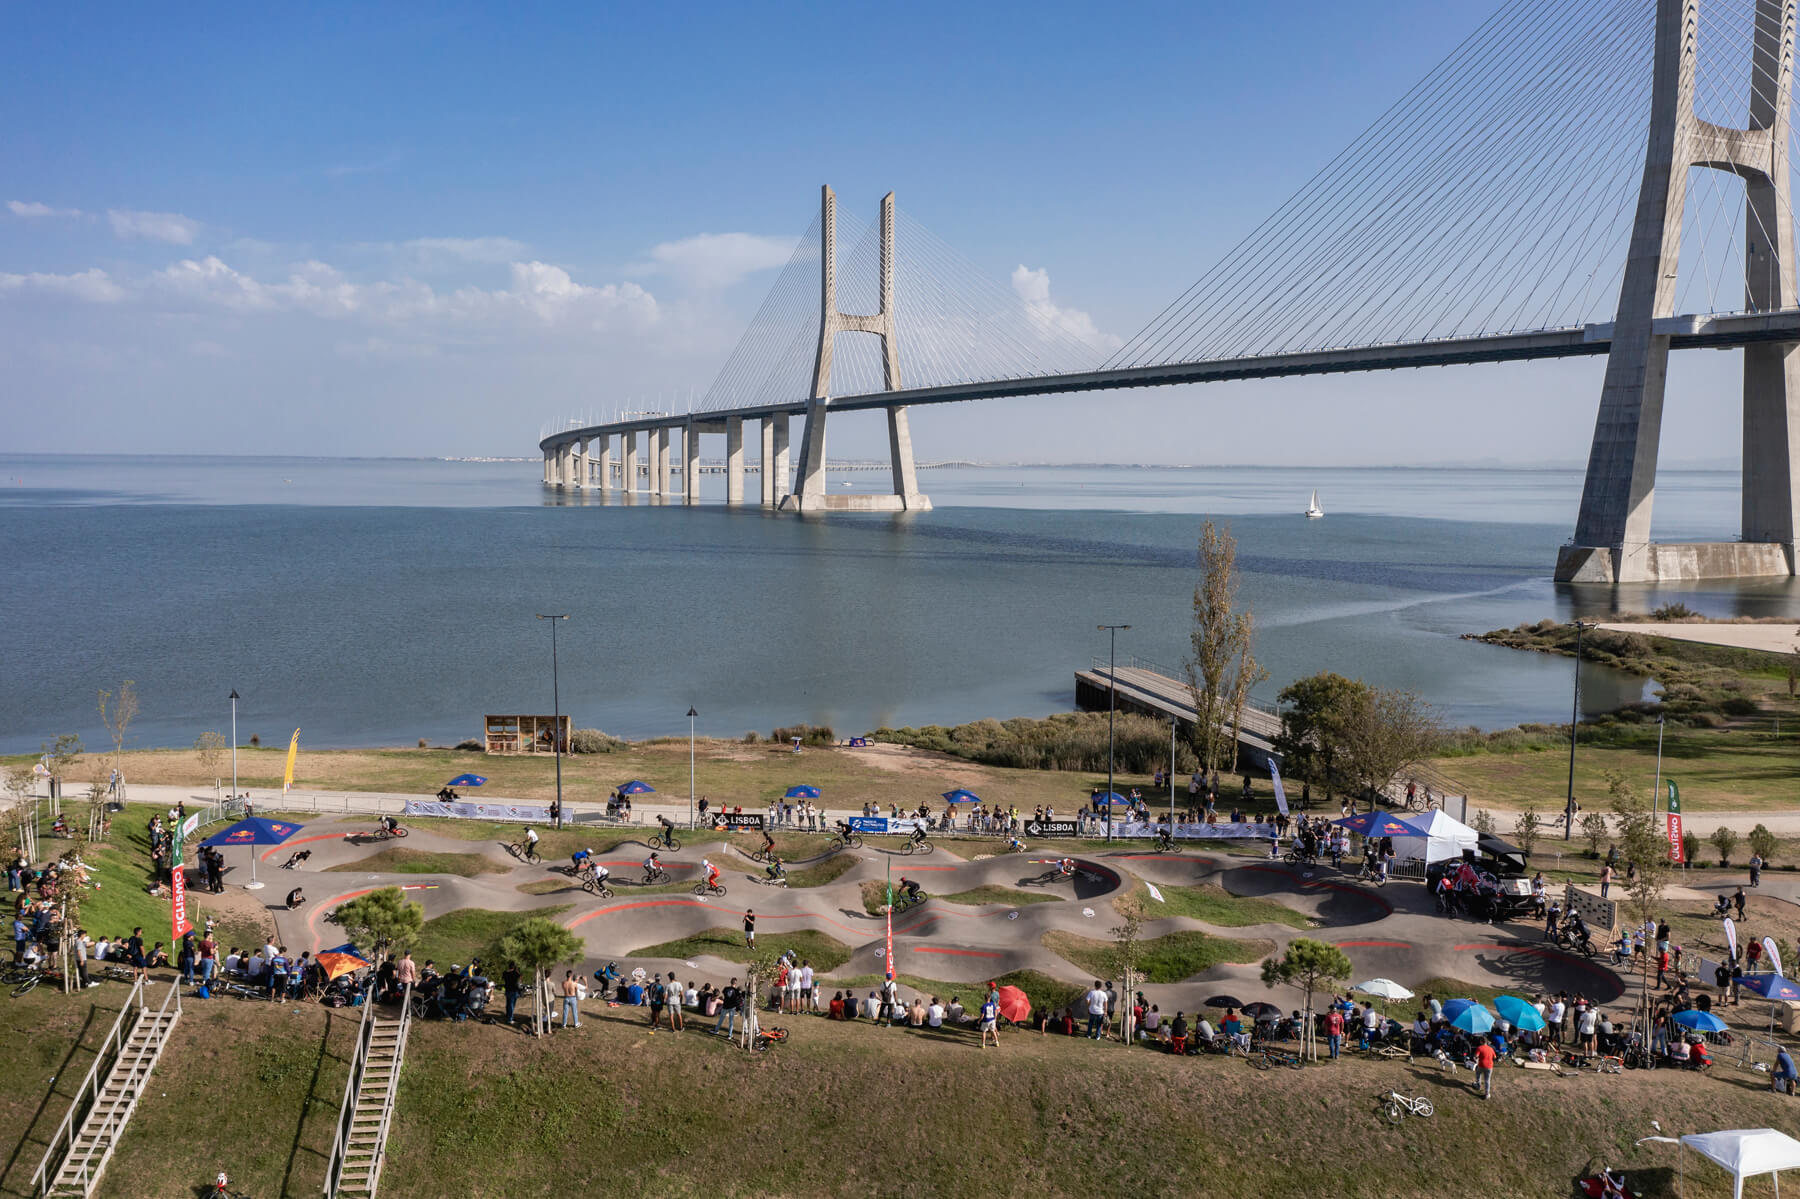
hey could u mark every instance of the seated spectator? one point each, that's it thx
(934, 1015)
(1178, 1035)
(837, 1005)
(871, 1007)
(954, 1013)
(1153, 1020)
(915, 1015)
(1678, 1050)
(1203, 1032)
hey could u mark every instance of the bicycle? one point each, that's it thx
(840, 842)
(1396, 1107)
(666, 841)
(1161, 846)
(652, 877)
(705, 888)
(525, 851)
(27, 979)
(1268, 1059)
(222, 1189)
(119, 974)
(919, 847)
(384, 832)
(904, 902)
(594, 886)
(759, 855)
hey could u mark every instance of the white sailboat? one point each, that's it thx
(1313, 511)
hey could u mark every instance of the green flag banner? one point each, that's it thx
(1676, 852)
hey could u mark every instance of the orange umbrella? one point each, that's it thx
(1014, 1005)
(336, 965)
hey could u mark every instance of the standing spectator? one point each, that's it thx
(187, 960)
(659, 996)
(1334, 1031)
(134, 953)
(1484, 1069)
(21, 935)
(1554, 1019)
(806, 987)
(1756, 865)
(750, 928)
(509, 984)
(1590, 1018)
(1738, 899)
(571, 1002)
(209, 958)
(556, 813)
(728, 1007)
(990, 1023)
(82, 947)
(1096, 1010)
(890, 1000)
(1606, 878)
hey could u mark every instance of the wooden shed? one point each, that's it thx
(527, 734)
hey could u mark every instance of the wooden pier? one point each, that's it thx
(1148, 689)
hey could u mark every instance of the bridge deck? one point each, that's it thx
(1153, 693)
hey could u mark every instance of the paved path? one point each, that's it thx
(1770, 638)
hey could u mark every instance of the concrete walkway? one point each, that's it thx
(1770, 638)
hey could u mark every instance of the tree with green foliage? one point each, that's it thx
(1483, 822)
(1125, 953)
(538, 944)
(209, 750)
(1526, 829)
(1594, 832)
(1644, 842)
(1763, 843)
(382, 921)
(1315, 714)
(1311, 966)
(1690, 848)
(1724, 840)
(1220, 666)
(1388, 730)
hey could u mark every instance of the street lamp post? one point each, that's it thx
(1112, 711)
(1174, 723)
(1574, 722)
(234, 699)
(691, 715)
(555, 704)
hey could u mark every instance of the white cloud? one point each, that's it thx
(31, 208)
(171, 227)
(1033, 287)
(467, 249)
(715, 260)
(95, 285)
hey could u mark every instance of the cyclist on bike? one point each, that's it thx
(1014, 845)
(1165, 839)
(388, 825)
(775, 869)
(531, 840)
(652, 867)
(910, 891)
(668, 830)
(582, 860)
(918, 835)
(712, 872)
(1066, 867)
(844, 832)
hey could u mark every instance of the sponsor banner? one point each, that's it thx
(179, 924)
(1053, 828)
(1677, 853)
(524, 813)
(1199, 832)
(190, 826)
(883, 825)
(1280, 791)
(739, 820)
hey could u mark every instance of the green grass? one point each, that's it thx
(1167, 959)
(825, 872)
(1008, 895)
(459, 935)
(395, 860)
(1215, 905)
(825, 953)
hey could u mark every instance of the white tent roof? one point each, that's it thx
(1746, 1152)
(1445, 837)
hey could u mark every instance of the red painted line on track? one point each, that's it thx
(961, 953)
(696, 903)
(275, 849)
(312, 920)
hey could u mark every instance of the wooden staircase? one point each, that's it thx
(368, 1107)
(85, 1148)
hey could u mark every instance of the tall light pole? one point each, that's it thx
(1656, 791)
(691, 715)
(555, 704)
(1174, 723)
(234, 699)
(1112, 711)
(1574, 722)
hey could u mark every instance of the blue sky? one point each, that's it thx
(362, 230)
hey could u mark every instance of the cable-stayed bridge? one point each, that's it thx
(1578, 177)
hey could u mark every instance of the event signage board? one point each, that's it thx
(1677, 851)
(1051, 828)
(737, 820)
(522, 812)
(1199, 832)
(883, 825)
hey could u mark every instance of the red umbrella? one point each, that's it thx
(1014, 1005)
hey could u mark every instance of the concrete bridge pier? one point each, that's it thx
(690, 463)
(734, 461)
(631, 462)
(582, 464)
(660, 475)
(781, 483)
(605, 463)
(766, 476)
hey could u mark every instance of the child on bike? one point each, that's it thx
(712, 872)
(910, 891)
(531, 840)
(776, 871)
(652, 867)
(1066, 867)
(582, 860)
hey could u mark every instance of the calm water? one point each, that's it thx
(374, 602)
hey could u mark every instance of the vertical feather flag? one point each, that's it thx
(287, 781)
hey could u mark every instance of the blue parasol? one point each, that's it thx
(466, 780)
(1108, 797)
(1474, 1018)
(1699, 1021)
(1520, 1014)
(636, 787)
(961, 796)
(803, 791)
(1378, 824)
(1770, 986)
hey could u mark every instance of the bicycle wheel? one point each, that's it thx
(759, 855)
(926, 847)
(25, 986)
(856, 843)
(1394, 1112)
(1293, 1062)
(399, 832)
(1422, 1108)
(531, 855)
(1261, 1061)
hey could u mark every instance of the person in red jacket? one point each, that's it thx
(1484, 1069)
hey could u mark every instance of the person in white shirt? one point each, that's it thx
(890, 999)
(807, 994)
(1372, 1024)
(934, 1015)
(1554, 1020)
(102, 948)
(1096, 1010)
(1203, 1031)
(692, 998)
(234, 962)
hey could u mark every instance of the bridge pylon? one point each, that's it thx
(811, 493)
(1612, 532)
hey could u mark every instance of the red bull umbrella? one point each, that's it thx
(253, 831)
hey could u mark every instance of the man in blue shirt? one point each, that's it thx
(1783, 1072)
(21, 934)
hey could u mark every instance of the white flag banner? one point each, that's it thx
(1280, 791)
(1774, 954)
(1157, 895)
(1731, 936)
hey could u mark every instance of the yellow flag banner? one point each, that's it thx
(287, 782)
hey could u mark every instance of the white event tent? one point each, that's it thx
(1743, 1153)
(1444, 837)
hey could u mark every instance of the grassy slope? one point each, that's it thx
(1001, 895)
(420, 861)
(1166, 959)
(458, 935)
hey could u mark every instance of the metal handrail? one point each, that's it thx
(65, 1131)
(347, 1109)
(393, 1088)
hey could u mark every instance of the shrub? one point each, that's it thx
(1762, 843)
(424, 744)
(1675, 611)
(593, 741)
(1483, 822)
(1724, 840)
(809, 734)
(1690, 848)
(752, 737)
(255, 740)
(471, 745)
(1739, 705)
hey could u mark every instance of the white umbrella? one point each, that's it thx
(1384, 988)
